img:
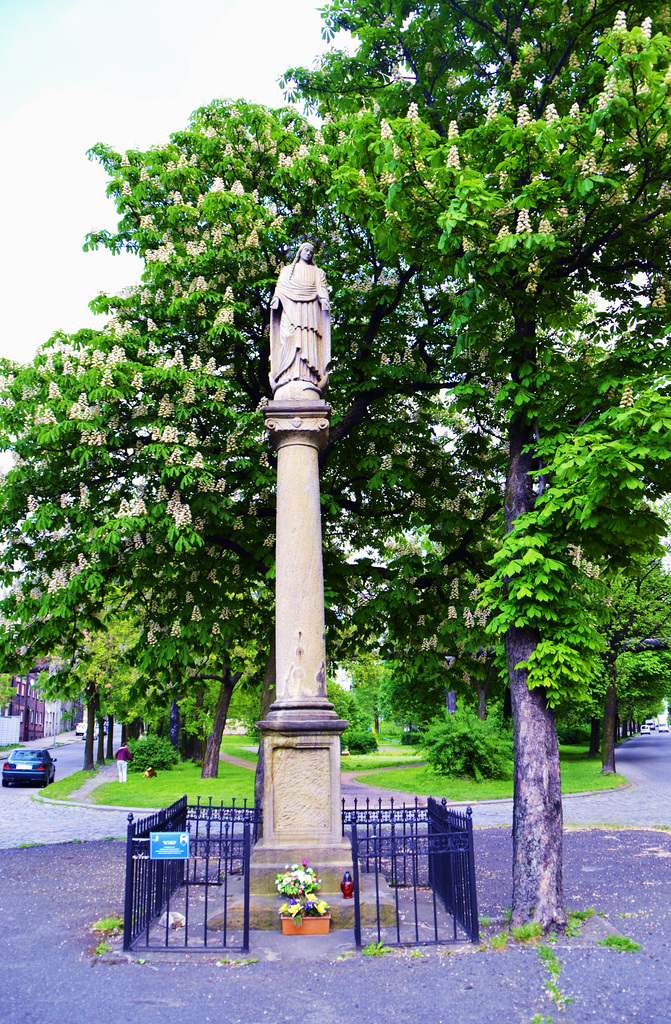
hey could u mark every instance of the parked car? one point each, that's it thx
(29, 766)
(80, 729)
(645, 730)
(663, 726)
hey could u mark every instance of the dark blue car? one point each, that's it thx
(26, 765)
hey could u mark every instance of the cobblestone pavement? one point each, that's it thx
(645, 761)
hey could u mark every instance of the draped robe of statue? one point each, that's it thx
(300, 327)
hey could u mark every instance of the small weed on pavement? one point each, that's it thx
(620, 942)
(376, 949)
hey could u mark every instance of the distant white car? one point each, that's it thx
(645, 730)
(80, 729)
(663, 726)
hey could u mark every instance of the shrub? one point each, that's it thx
(153, 752)
(464, 745)
(572, 734)
(414, 738)
(359, 742)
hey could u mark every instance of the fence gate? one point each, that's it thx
(414, 873)
(199, 904)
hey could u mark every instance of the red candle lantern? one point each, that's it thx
(347, 886)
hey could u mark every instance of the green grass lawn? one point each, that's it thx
(62, 788)
(383, 759)
(578, 774)
(235, 747)
(170, 786)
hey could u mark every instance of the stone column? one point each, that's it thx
(301, 733)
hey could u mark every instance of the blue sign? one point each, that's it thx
(169, 845)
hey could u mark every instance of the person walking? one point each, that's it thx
(123, 756)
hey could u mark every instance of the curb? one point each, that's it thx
(40, 799)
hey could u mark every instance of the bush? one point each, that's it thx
(414, 738)
(573, 734)
(153, 752)
(359, 742)
(463, 745)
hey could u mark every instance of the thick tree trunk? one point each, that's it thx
(124, 733)
(110, 738)
(174, 724)
(624, 729)
(538, 893)
(594, 737)
(211, 759)
(91, 709)
(267, 698)
(609, 719)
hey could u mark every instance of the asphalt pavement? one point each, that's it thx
(52, 894)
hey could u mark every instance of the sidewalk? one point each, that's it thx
(51, 897)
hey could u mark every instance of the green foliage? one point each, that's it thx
(499, 942)
(102, 947)
(413, 738)
(112, 923)
(572, 734)
(574, 919)
(620, 942)
(376, 949)
(529, 932)
(152, 752)
(359, 742)
(550, 960)
(464, 745)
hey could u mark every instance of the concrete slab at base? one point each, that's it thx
(264, 916)
(330, 862)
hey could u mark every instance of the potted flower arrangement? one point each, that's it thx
(303, 913)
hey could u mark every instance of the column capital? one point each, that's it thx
(305, 423)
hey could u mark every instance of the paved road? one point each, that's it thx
(51, 897)
(24, 820)
(645, 760)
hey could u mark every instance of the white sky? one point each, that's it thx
(123, 72)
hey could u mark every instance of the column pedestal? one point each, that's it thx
(301, 733)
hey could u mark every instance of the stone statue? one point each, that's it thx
(300, 327)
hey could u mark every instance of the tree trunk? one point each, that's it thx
(100, 758)
(124, 733)
(267, 698)
(482, 690)
(211, 759)
(110, 737)
(482, 701)
(624, 728)
(538, 893)
(91, 709)
(507, 706)
(133, 729)
(594, 737)
(174, 724)
(609, 719)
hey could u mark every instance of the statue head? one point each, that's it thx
(306, 252)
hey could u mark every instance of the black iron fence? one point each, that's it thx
(422, 864)
(197, 904)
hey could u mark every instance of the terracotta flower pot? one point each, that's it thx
(309, 926)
